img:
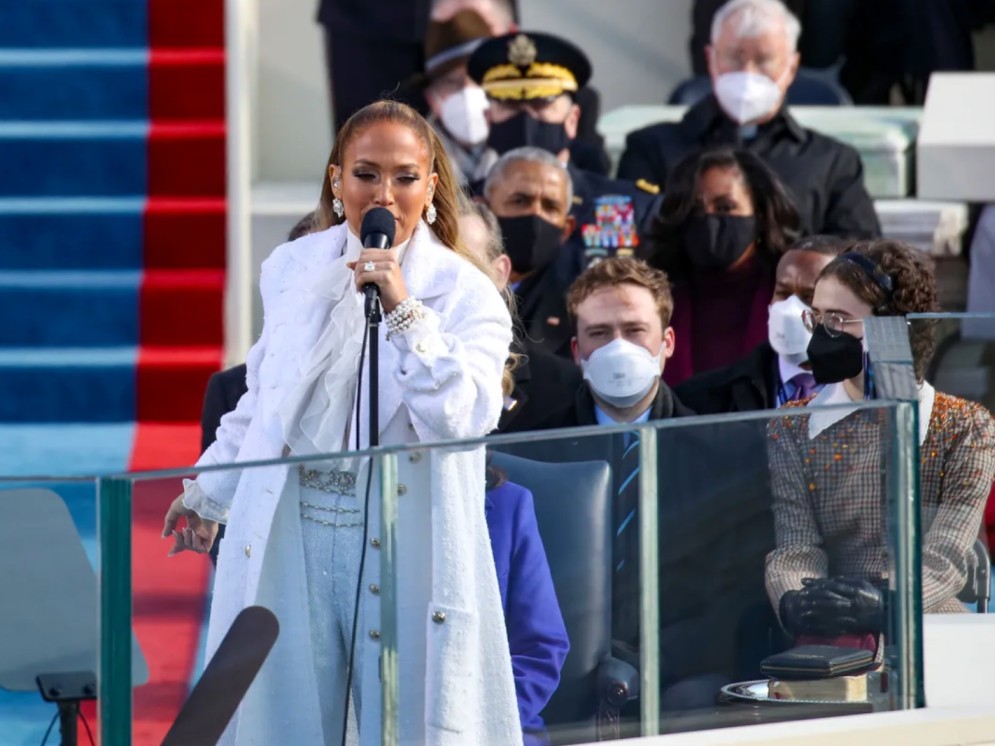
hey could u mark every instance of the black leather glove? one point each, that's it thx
(811, 611)
(865, 611)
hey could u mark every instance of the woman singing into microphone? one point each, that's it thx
(294, 538)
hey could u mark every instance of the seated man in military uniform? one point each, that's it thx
(531, 80)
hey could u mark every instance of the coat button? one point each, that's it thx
(402, 489)
(415, 457)
(374, 589)
(374, 634)
(248, 550)
(438, 617)
(375, 542)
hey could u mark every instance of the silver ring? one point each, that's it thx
(369, 267)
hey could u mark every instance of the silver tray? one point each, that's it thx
(756, 692)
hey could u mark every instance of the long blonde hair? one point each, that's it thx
(449, 199)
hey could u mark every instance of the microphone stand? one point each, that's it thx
(373, 318)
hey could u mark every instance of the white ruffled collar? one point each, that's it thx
(316, 415)
(835, 397)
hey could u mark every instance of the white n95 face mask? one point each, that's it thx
(746, 96)
(621, 373)
(463, 115)
(786, 331)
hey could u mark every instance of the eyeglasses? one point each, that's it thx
(835, 323)
(737, 60)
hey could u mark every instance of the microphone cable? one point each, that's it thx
(366, 533)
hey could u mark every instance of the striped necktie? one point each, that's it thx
(627, 501)
(625, 547)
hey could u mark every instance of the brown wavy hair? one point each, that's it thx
(449, 199)
(913, 289)
(622, 271)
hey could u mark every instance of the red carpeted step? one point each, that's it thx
(182, 307)
(168, 591)
(186, 84)
(187, 159)
(184, 233)
(186, 23)
(171, 383)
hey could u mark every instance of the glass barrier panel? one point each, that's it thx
(953, 354)
(510, 581)
(49, 630)
(669, 622)
(292, 543)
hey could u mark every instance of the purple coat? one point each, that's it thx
(536, 633)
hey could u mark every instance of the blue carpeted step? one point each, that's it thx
(69, 309)
(78, 84)
(103, 159)
(68, 385)
(66, 449)
(71, 233)
(73, 23)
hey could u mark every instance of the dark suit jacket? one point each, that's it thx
(824, 176)
(542, 310)
(224, 389)
(714, 531)
(544, 384)
(748, 385)
(385, 20)
(580, 412)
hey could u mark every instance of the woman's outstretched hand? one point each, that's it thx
(380, 267)
(197, 536)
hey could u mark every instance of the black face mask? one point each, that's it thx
(834, 359)
(524, 129)
(530, 242)
(714, 242)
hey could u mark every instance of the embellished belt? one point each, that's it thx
(340, 486)
(333, 516)
(332, 481)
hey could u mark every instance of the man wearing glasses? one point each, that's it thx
(752, 61)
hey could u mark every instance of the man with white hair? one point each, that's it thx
(752, 61)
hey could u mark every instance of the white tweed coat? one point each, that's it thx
(443, 378)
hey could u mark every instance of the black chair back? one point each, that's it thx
(573, 511)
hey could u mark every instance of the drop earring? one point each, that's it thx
(337, 207)
(431, 214)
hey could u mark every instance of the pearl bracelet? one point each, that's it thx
(404, 315)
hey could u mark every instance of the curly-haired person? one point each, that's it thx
(828, 575)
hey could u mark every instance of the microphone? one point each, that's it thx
(377, 232)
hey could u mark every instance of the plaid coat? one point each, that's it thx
(829, 506)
